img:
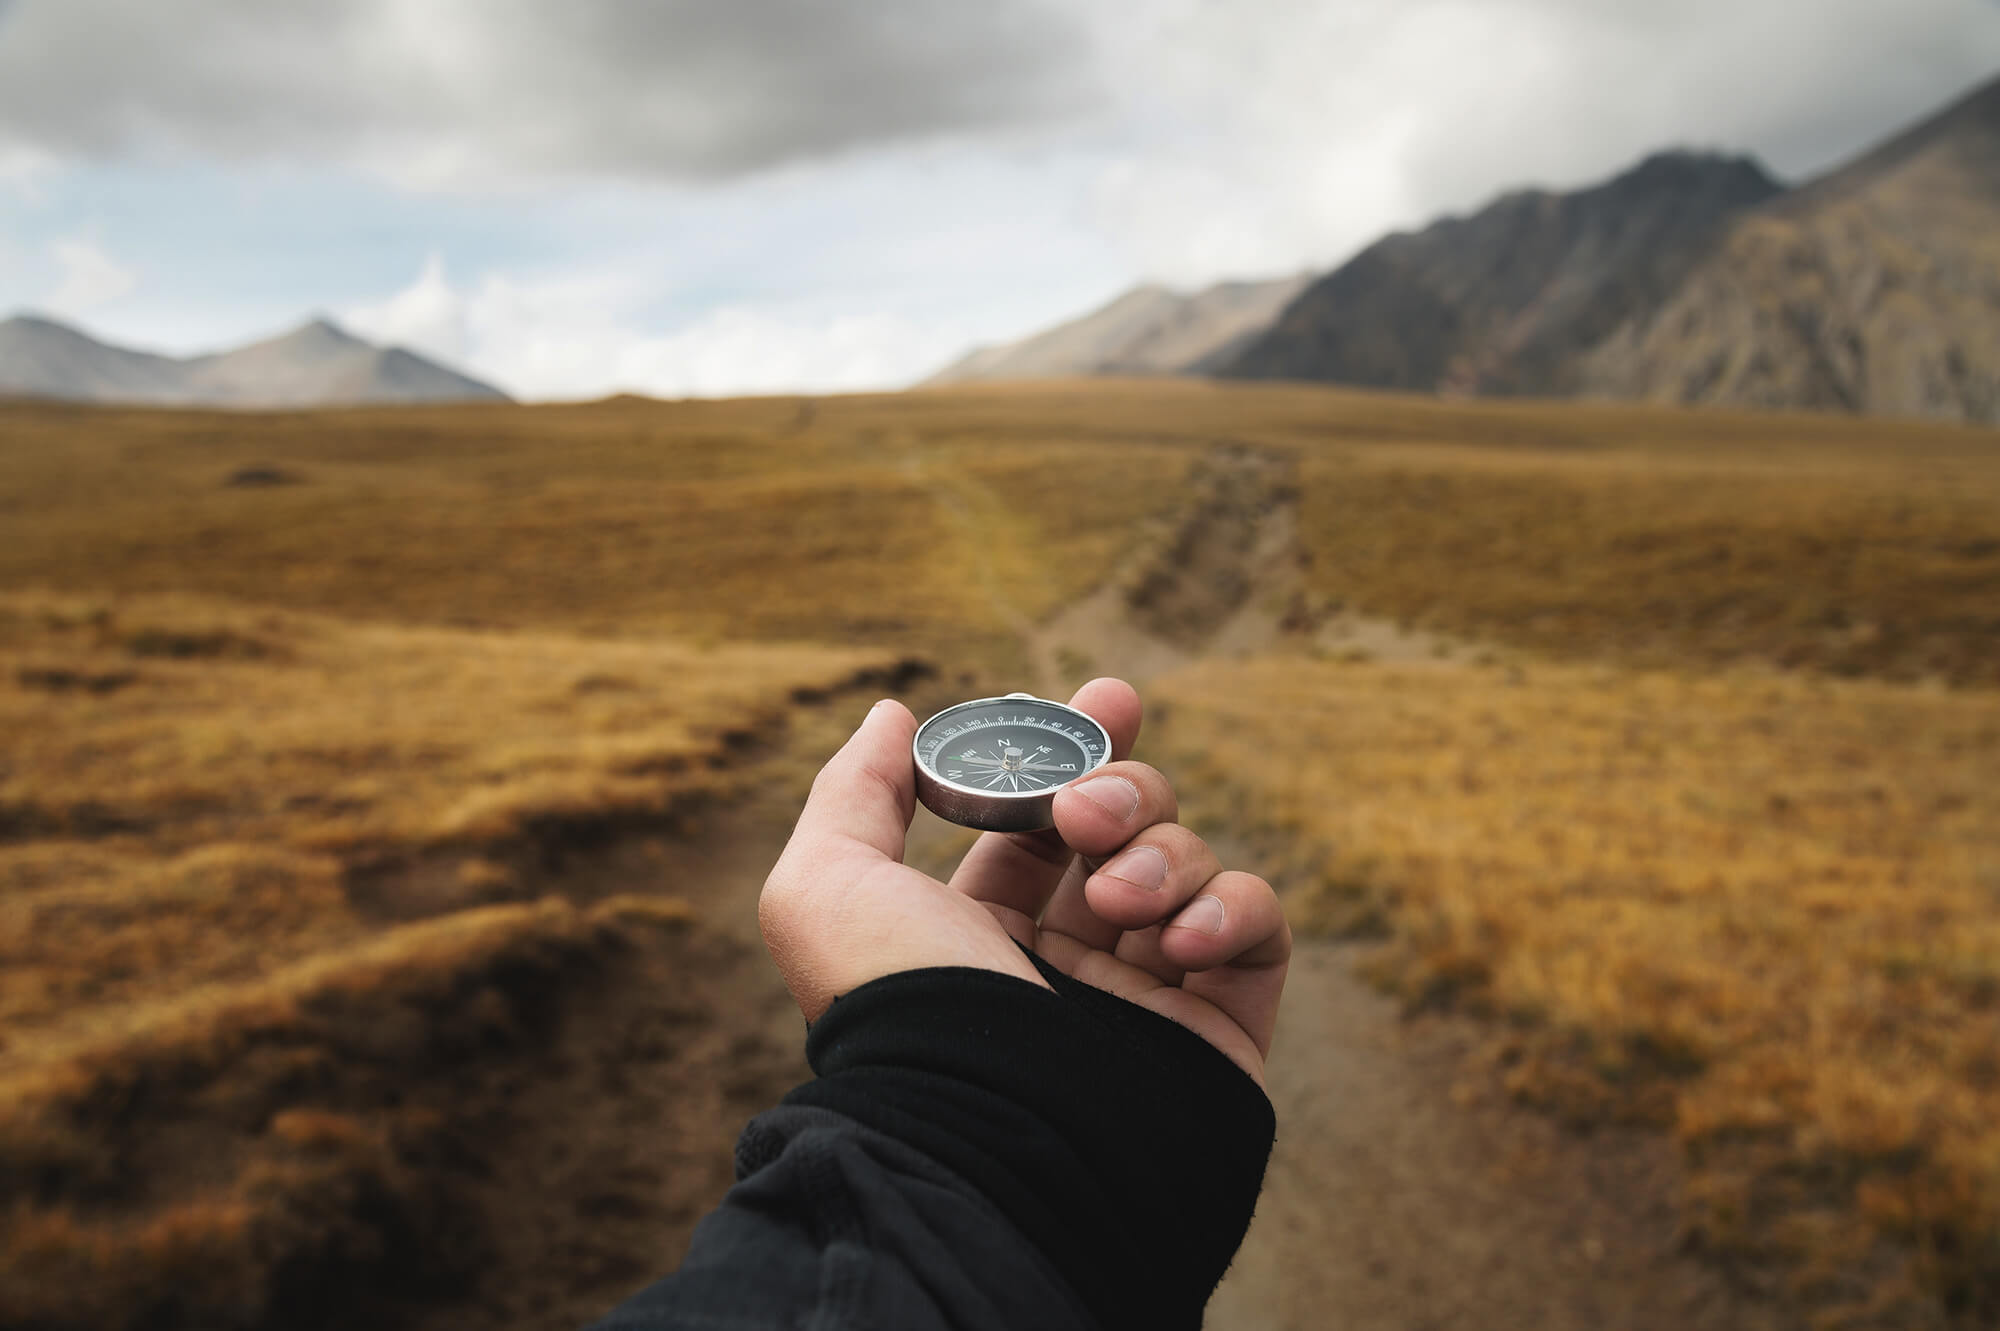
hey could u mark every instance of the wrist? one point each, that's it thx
(1062, 1103)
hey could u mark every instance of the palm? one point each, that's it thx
(841, 908)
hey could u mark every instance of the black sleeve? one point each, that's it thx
(978, 1151)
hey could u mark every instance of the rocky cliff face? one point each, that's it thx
(1692, 278)
(1509, 299)
(1875, 288)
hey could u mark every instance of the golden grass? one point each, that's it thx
(203, 981)
(246, 728)
(622, 518)
(945, 522)
(172, 814)
(1762, 909)
(288, 729)
(1887, 567)
(290, 1196)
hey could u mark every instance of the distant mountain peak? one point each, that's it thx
(1679, 167)
(1693, 275)
(319, 333)
(38, 320)
(1866, 289)
(1965, 134)
(1503, 300)
(1146, 329)
(317, 363)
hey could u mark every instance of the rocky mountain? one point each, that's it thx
(316, 364)
(1691, 278)
(1148, 330)
(1508, 299)
(1874, 288)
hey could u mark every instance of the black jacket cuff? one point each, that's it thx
(1125, 1147)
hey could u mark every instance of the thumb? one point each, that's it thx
(825, 926)
(863, 799)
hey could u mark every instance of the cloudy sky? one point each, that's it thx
(720, 196)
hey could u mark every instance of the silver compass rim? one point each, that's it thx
(1003, 797)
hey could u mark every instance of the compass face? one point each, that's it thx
(996, 753)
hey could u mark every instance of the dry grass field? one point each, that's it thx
(1760, 910)
(346, 760)
(193, 792)
(765, 520)
(267, 880)
(1845, 563)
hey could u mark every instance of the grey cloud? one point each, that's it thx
(1320, 124)
(471, 90)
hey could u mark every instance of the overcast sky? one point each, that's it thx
(720, 196)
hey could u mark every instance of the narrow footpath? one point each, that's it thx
(1404, 1194)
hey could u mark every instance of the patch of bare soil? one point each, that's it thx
(1402, 1196)
(610, 1143)
(618, 1135)
(1224, 577)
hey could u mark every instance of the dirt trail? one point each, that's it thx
(1397, 1197)
(1395, 1200)
(618, 1134)
(1224, 578)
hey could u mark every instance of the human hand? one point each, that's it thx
(1204, 946)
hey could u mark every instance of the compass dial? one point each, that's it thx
(996, 762)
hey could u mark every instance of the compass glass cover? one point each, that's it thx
(1009, 746)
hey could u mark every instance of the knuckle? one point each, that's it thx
(1184, 849)
(884, 784)
(1157, 801)
(829, 776)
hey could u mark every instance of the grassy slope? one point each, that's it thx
(1754, 908)
(189, 788)
(1881, 565)
(266, 885)
(943, 518)
(752, 520)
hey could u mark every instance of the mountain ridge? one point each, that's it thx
(1872, 288)
(1691, 277)
(318, 363)
(1501, 300)
(1148, 329)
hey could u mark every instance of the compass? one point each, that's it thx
(996, 763)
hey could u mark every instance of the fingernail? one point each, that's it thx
(1113, 794)
(1203, 915)
(1141, 866)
